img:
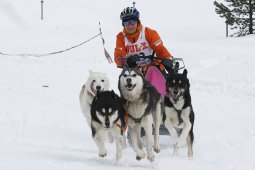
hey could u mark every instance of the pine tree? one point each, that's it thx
(239, 14)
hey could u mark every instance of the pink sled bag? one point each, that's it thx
(156, 78)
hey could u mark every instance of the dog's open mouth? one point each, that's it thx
(175, 98)
(130, 86)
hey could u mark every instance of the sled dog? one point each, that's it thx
(143, 104)
(108, 115)
(96, 82)
(179, 112)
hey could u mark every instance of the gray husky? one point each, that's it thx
(179, 112)
(143, 104)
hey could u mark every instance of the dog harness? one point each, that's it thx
(136, 120)
(121, 128)
(178, 111)
(179, 116)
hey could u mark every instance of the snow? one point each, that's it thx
(43, 128)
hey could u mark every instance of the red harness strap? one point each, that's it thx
(121, 128)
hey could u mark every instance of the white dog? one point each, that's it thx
(96, 82)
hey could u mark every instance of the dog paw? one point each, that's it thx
(151, 156)
(140, 155)
(157, 149)
(102, 154)
(138, 158)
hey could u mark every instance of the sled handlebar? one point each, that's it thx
(142, 60)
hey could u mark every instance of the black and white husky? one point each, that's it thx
(143, 104)
(179, 112)
(108, 115)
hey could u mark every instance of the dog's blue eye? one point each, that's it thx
(134, 75)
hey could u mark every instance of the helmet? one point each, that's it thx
(129, 13)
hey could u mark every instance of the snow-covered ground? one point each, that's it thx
(41, 125)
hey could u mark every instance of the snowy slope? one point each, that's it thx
(43, 127)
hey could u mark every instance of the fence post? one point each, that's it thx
(42, 9)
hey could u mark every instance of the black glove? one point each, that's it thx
(168, 63)
(131, 60)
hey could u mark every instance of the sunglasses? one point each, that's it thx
(130, 22)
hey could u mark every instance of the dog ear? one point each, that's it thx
(185, 72)
(125, 68)
(138, 72)
(112, 93)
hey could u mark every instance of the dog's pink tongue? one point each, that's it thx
(129, 85)
(175, 98)
(91, 87)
